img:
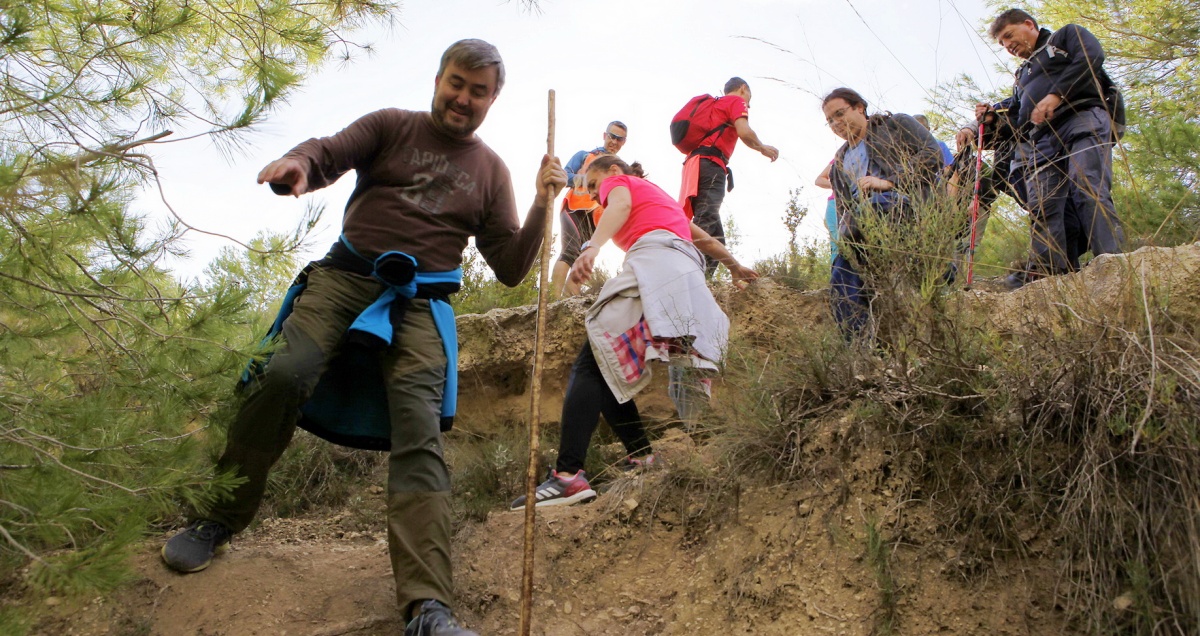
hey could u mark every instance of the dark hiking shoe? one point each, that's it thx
(1019, 279)
(556, 491)
(194, 548)
(435, 620)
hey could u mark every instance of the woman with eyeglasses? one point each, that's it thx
(658, 307)
(888, 163)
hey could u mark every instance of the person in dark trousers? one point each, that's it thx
(425, 184)
(658, 307)
(1063, 137)
(579, 211)
(889, 164)
(706, 172)
(1000, 176)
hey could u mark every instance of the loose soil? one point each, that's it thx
(674, 551)
(650, 556)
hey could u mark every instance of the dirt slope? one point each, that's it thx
(497, 352)
(638, 562)
(661, 553)
(646, 558)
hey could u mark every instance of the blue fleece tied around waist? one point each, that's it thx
(376, 319)
(349, 405)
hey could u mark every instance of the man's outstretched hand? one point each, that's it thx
(285, 172)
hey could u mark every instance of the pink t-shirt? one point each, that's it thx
(652, 210)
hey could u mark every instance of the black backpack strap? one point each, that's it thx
(712, 152)
(697, 106)
(709, 151)
(720, 128)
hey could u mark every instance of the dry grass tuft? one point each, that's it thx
(1062, 420)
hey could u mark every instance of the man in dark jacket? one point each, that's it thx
(425, 184)
(1063, 133)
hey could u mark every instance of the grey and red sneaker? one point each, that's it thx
(556, 491)
(637, 464)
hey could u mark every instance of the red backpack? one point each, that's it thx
(696, 123)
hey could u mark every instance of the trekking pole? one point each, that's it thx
(535, 397)
(975, 208)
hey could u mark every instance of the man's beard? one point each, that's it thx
(439, 113)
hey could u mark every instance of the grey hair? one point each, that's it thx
(473, 54)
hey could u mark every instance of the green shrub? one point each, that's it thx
(1075, 421)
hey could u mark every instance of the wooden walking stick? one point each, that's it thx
(975, 208)
(531, 475)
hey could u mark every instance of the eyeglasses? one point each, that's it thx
(837, 116)
(617, 138)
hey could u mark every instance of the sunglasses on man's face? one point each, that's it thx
(617, 138)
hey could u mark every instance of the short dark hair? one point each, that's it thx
(849, 94)
(733, 84)
(1012, 16)
(618, 124)
(472, 55)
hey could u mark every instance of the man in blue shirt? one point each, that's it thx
(580, 212)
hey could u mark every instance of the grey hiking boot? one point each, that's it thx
(434, 619)
(194, 547)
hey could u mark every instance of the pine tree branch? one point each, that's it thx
(118, 150)
(19, 508)
(1186, 45)
(128, 319)
(133, 357)
(16, 544)
(63, 292)
(114, 151)
(80, 473)
(83, 270)
(94, 322)
(83, 449)
(137, 271)
(163, 196)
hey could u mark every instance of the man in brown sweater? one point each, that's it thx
(425, 184)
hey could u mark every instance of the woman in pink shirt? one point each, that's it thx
(658, 307)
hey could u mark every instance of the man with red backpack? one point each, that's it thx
(706, 129)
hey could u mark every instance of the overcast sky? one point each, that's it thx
(637, 61)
